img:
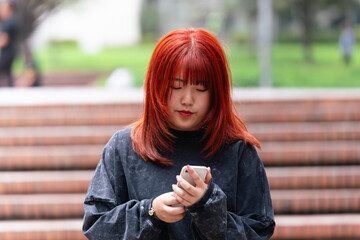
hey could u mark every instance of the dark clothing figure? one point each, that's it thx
(10, 27)
(236, 205)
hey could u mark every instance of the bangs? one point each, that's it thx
(195, 68)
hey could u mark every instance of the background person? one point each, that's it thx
(8, 41)
(347, 42)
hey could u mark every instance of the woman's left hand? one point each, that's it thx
(188, 194)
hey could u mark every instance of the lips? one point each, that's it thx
(185, 113)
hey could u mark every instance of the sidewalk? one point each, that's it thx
(94, 95)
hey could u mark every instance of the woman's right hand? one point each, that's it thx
(164, 210)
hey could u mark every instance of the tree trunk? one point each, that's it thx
(304, 9)
(264, 40)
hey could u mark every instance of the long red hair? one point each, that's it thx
(202, 58)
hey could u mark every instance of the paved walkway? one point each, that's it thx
(94, 95)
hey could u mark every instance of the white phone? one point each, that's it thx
(200, 170)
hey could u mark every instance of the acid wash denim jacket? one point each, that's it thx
(236, 205)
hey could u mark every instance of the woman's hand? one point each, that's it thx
(164, 210)
(188, 194)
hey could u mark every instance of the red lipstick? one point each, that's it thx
(185, 113)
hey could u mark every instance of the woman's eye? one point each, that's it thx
(202, 89)
(176, 85)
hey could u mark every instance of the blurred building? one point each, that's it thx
(93, 24)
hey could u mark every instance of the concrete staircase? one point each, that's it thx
(51, 141)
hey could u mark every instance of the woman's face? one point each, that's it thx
(187, 104)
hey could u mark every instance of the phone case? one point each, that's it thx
(200, 170)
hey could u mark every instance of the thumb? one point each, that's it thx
(208, 176)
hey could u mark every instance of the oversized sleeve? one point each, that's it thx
(109, 214)
(253, 217)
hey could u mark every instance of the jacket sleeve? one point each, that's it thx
(109, 214)
(253, 218)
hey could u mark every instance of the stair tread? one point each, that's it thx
(56, 135)
(272, 153)
(57, 131)
(317, 219)
(31, 225)
(316, 201)
(42, 206)
(321, 226)
(38, 199)
(27, 182)
(45, 176)
(284, 201)
(50, 157)
(310, 153)
(314, 177)
(60, 135)
(302, 131)
(315, 193)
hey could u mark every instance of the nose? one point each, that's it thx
(187, 98)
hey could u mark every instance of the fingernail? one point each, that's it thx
(177, 177)
(188, 167)
(209, 169)
(173, 185)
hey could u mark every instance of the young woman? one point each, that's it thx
(189, 119)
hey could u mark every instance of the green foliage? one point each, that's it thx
(289, 69)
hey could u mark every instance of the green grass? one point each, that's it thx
(70, 58)
(289, 68)
(327, 70)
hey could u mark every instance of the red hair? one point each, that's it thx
(202, 58)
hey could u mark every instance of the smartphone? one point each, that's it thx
(200, 170)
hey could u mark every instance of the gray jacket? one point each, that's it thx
(236, 205)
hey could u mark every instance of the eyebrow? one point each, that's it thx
(178, 79)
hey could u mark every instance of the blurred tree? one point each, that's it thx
(305, 11)
(264, 40)
(30, 13)
(149, 20)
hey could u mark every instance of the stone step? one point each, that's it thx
(311, 227)
(41, 206)
(56, 135)
(56, 206)
(122, 113)
(265, 132)
(292, 227)
(87, 156)
(67, 115)
(50, 157)
(316, 201)
(305, 131)
(34, 182)
(62, 229)
(310, 153)
(314, 177)
(300, 111)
